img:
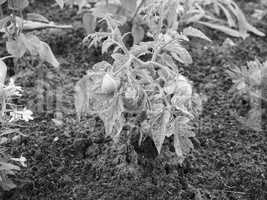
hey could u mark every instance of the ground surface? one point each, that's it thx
(75, 161)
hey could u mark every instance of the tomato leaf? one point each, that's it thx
(159, 128)
(182, 134)
(190, 31)
(112, 117)
(179, 53)
(47, 55)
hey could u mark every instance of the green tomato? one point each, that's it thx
(109, 84)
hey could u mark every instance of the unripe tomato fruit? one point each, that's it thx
(109, 84)
(134, 99)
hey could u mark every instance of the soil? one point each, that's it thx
(74, 160)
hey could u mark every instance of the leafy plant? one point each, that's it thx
(9, 113)
(250, 80)
(220, 15)
(17, 44)
(131, 85)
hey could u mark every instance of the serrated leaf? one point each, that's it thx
(3, 71)
(112, 116)
(179, 53)
(89, 22)
(190, 31)
(16, 47)
(17, 4)
(183, 132)
(47, 55)
(159, 128)
(138, 33)
(60, 3)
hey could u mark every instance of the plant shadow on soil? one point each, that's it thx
(229, 161)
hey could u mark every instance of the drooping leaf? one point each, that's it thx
(182, 134)
(190, 31)
(112, 116)
(47, 55)
(17, 4)
(36, 47)
(159, 128)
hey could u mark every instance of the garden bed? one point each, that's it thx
(75, 160)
